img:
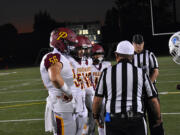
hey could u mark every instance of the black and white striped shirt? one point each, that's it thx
(146, 60)
(123, 86)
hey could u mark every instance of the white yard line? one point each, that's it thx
(171, 113)
(170, 69)
(7, 73)
(167, 93)
(20, 120)
(22, 91)
(21, 80)
(168, 81)
(168, 74)
(24, 101)
(19, 85)
(40, 119)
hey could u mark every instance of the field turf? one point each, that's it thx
(22, 99)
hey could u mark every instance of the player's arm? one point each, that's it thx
(55, 77)
(54, 66)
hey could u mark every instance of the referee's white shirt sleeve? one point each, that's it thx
(153, 61)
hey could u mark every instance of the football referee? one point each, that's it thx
(144, 58)
(123, 86)
(148, 62)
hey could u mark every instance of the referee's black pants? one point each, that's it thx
(126, 126)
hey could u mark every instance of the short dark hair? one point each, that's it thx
(125, 56)
(137, 38)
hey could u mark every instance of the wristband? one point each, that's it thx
(65, 89)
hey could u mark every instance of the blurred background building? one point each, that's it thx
(92, 30)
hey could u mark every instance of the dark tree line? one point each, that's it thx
(134, 16)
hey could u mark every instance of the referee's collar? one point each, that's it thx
(124, 60)
(140, 52)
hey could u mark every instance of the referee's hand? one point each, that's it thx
(100, 124)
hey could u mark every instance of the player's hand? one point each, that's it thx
(66, 98)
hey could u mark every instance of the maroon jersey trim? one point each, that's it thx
(51, 59)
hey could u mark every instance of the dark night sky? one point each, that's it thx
(21, 12)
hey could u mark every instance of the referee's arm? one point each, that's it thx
(153, 100)
(154, 67)
(97, 101)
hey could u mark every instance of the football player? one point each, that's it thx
(98, 65)
(174, 49)
(89, 127)
(57, 76)
(81, 81)
(88, 50)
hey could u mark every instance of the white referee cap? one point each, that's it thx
(125, 47)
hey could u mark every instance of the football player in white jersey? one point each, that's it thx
(89, 127)
(81, 81)
(97, 68)
(57, 76)
(88, 50)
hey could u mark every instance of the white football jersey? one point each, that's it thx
(79, 84)
(90, 61)
(96, 71)
(89, 84)
(66, 74)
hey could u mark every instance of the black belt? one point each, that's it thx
(127, 115)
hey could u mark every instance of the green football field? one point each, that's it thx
(22, 100)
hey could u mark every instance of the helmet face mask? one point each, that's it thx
(88, 48)
(174, 47)
(79, 49)
(98, 58)
(88, 52)
(97, 54)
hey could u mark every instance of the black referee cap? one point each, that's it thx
(138, 39)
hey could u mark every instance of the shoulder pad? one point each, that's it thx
(51, 59)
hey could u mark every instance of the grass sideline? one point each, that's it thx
(22, 98)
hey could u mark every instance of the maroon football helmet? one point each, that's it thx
(61, 38)
(77, 51)
(97, 54)
(86, 44)
(97, 49)
(83, 42)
